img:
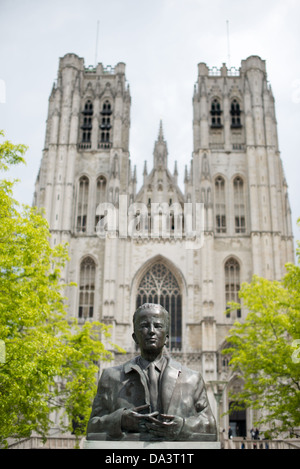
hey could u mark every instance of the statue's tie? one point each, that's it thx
(153, 386)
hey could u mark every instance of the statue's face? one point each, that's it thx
(150, 331)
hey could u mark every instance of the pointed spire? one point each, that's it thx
(129, 172)
(134, 174)
(160, 150)
(160, 134)
(175, 175)
(52, 94)
(175, 169)
(145, 169)
(270, 89)
(186, 177)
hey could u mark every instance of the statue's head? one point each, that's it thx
(151, 327)
(152, 307)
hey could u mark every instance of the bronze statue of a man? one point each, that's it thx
(151, 397)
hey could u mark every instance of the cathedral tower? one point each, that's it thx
(235, 136)
(86, 152)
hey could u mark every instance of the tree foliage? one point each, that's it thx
(265, 350)
(49, 362)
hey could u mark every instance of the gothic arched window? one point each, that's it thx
(239, 205)
(232, 284)
(105, 125)
(100, 196)
(235, 112)
(86, 288)
(220, 206)
(160, 286)
(87, 122)
(82, 204)
(216, 112)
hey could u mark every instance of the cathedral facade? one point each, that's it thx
(188, 250)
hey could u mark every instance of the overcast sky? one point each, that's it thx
(161, 42)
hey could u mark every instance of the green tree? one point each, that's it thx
(77, 386)
(265, 348)
(47, 362)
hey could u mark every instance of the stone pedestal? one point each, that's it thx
(173, 446)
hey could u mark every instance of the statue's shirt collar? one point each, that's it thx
(159, 364)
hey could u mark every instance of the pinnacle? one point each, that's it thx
(160, 134)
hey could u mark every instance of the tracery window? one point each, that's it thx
(105, 126)
(220, 205)
(100, 196)
(235, 112)
(82, 204)
(232, 284)
(87, 122)
(216, 112)
(160, 286)
(86, 288)
(239, 205)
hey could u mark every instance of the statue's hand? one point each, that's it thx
(165, 427)
(134, 421)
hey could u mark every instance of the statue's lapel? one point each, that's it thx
(169, 379)
(132, 365)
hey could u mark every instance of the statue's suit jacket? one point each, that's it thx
(182, 393)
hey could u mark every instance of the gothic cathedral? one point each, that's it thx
(235, 175)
